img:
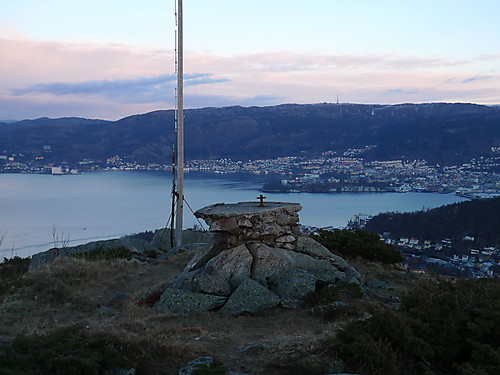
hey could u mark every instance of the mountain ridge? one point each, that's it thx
(447, 133)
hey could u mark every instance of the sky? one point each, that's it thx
(112, 58)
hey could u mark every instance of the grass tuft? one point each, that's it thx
(100, 253)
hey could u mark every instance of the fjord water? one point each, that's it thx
(35, 209)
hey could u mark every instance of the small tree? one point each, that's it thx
(59, 240)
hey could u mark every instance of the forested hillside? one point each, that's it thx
(479, 218)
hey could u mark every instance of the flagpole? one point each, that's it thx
(180, 128)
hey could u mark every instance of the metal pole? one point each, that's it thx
(180, 128)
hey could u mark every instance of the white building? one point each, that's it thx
(57, 170)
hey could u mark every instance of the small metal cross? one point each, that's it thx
(261, 197)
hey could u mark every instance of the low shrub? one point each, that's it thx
(440, 328)
(14, 267)
(353, 243)
(11, 270)
(63, 351)
(146, 236)
(76, 350)
(331, 293)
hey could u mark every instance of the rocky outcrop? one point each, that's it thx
(135, 245)
(137, 248)
(258, 260)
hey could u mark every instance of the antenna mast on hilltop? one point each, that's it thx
(179, 192)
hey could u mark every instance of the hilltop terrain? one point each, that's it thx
(441, 133)
(77, 301)
(83, 316)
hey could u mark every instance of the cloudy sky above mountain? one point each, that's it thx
(113, 58)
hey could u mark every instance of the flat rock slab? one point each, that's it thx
(245, 208)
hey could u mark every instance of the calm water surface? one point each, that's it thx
(105, 205)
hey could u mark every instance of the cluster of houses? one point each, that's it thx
(444, 258)
(422, 256)
(345, 172)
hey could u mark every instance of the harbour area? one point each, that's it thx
(327, 173)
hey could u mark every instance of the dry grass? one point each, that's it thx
(101, 298)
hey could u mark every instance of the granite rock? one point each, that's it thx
(269, 262)
(182, 302)
(293, 286)
(250, 297)
(310, 246)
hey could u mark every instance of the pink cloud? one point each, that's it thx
(489, 57)
(111, 81)
(34, 62)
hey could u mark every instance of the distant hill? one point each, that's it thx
(479, 218)
(441, 133)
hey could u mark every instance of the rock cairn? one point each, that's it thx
(257, 260)
(272, 223)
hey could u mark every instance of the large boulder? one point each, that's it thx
(212, 284)
(249, 297)
(271, 262)
(233, 265)
(311, 247)
(353, 276)
(293, 286)
(207, 251)
(182, 302)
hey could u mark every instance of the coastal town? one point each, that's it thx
(326, 173)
